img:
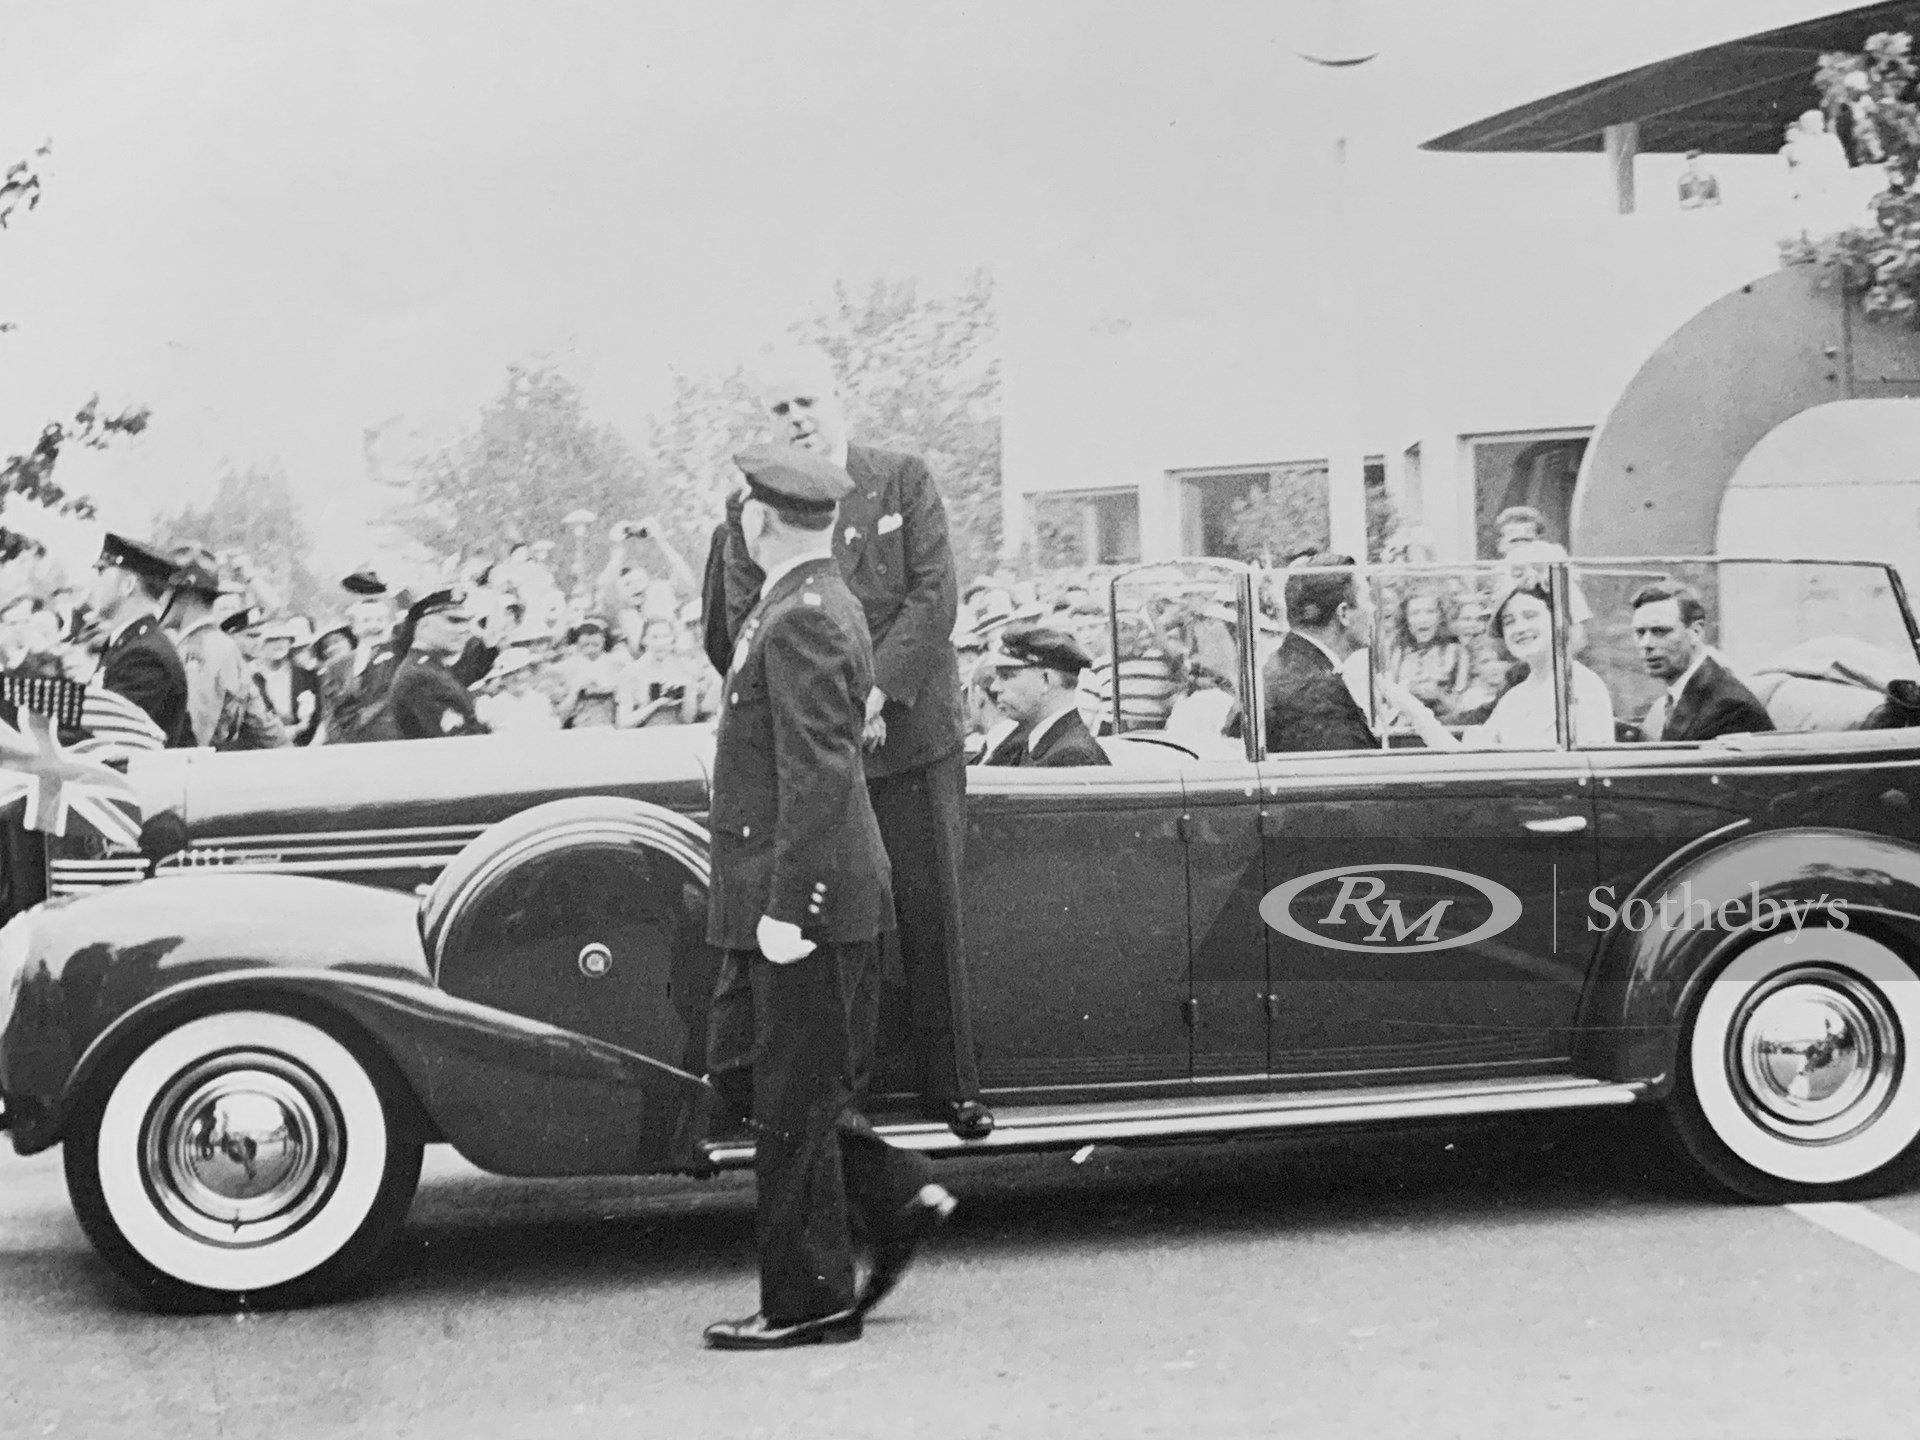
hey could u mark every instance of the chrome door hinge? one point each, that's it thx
(1190, 1011)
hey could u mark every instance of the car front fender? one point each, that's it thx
(1645, 976)
(514, 1096)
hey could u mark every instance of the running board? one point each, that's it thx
(1057, 1127)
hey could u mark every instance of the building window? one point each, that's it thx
(1537, 470)
(1086, 528)
(1267, 513)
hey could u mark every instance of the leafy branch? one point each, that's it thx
(1873, 94)
(30, 476)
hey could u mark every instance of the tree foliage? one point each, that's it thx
(1288, 515)
(918, 373)
(1871, 95)
(923, 375)
(534, 457)
(28, 476)
(255, 525)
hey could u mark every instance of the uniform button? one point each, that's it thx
(883, 567)
(745, 830)
(734, 698)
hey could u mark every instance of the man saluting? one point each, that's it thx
(801, 892)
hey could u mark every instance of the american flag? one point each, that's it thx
(115, 726)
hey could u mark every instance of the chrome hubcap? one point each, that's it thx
(1816, 1052)
(242, 1148)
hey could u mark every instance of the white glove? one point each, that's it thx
(781, 942)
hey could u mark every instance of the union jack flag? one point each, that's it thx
(58, 783)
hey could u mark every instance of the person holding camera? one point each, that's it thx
(663, 685)
(630, 592)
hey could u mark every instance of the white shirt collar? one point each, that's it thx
(1034, 735)
(1674, 690)
(787, 567)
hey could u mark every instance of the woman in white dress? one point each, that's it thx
(1523, 717)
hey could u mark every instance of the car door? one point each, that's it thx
(1076, 930)
(1819, 643)
(1226, 881)
(1424, 912)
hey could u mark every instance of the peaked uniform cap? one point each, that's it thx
(789, 478)
(433, 603)
(364, 581)
(1050, 649)
(125, 554)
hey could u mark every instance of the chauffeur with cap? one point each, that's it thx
(140, 661)
(426, 700)
(1037, 683)
(801, 891)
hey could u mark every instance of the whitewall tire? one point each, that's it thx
(242, 1153)
(1797, 1077)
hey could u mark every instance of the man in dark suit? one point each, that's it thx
(891, 544)
(1037, 683)
(1309, 706)
(799, 896)
(426, 700)
(140, 661)
(1702, 699)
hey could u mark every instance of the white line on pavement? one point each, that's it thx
(1860, 1225)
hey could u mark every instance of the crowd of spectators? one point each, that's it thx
(620, 652)
(623, 650)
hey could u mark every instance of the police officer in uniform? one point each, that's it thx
(890, 540)
(426, 699)
(801, 892)
(140, 661)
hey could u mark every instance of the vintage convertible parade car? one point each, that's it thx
(244, 1031)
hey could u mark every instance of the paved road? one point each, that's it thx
(1479, 1283)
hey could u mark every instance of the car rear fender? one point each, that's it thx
(514, 1096)
(1645, 976)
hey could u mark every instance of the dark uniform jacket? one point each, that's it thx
(890, 538)
(1067, 741)
(426, 702)
(142, 664)
(1308, 704)
(794, 836)
(1714, 702)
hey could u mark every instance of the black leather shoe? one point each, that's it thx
(758, 1333)
(969, 1119)
(892, 1255)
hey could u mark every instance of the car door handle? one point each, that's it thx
(1558, 825)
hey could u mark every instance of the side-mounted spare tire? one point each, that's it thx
(589, 914)
(1799, 1072)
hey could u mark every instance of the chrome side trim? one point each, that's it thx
(1058, 1127)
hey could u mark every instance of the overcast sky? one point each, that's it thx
(281, 224)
